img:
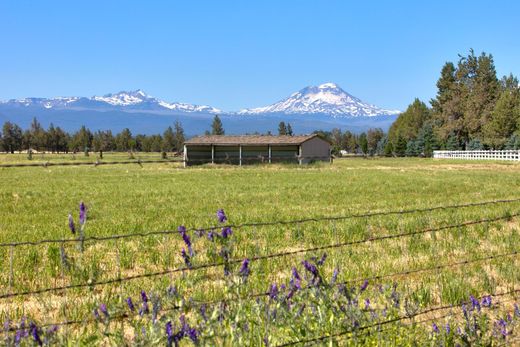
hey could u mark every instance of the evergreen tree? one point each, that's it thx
(400, 146)
(389, 149)
(453, 143)
(169, 144)
(289, 129)
(426, 141)
(124, 140)
(363, 143)
(179, 136)
(409, 122)
(336, 140)
(411, 149)
(513, 142)
(12, 137)
(282, 129)
(505, 118)
(474, 145)
(373, 138)
(216, 126)
(381, 145)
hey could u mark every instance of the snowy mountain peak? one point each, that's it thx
(124, 98)
(327, 98)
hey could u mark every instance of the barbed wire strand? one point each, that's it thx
(256, 258)
(259, 224)
(389, 321)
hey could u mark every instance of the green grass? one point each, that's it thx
(35, 202)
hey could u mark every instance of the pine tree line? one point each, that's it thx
(56, 140)
(472, 110)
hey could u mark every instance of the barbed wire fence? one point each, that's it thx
(380, 277)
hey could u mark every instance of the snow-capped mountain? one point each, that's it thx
(133, 100)
(328, 99)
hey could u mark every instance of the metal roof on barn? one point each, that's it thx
(250, 140)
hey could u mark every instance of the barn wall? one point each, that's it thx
(198, 155)
(315, 148)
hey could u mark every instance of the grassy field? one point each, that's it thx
(35, 203)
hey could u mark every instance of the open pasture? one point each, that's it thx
(434, 260)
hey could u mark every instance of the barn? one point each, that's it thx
(252, 149)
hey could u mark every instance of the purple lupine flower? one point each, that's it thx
(211, 235)
(35, 334)
(192, 334)
(186, 258)
(226, 231)
(296, 280)
(475, 303)
(334, 276)
(244, 269)
(367, 304)
(448, 328)
(103, 309)
(313, 270)
(435, 328)
(322, 260)
(181, 229)
(169, 332)
(82, 213)
(202, 311)
(517, 310)
(486, 301)
(172, 291)
(144, 297)
(200, 232)
(130, 304)
(53, 329)
(503, 327)
(144, 309)
(363, 286)
(18, 337)
(221, 216)
(156, 306)
(273, 291)
(95, 312)
(72, 227)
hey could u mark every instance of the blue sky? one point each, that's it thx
(236, 54)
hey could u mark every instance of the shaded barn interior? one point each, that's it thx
(254, 149)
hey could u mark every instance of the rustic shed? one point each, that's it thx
(250, 149)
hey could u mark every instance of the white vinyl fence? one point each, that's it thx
(478, 155)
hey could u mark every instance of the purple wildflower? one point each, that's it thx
(95, 312)
(334, 276)
(82, 213)
(502, 325)
(35, 334)
(226, 231)
(448, 328)
(435, 328)
(313, 270)
(192, 334)
(18, 337)
(186, 258)
(486, 301)
(202, 311)
(130, 304)
(181, 229)
(364, 286)
(103, 309)
(52, 329)
(475, 303)
(169, 332)
(172, 291)
(295, 281)
(211, 235)
(322, 260)
(144, 297)
(517, 310)
(144, 309)
(367, 304)
(72, 227)
(200, 232)
(244, 269)
(221, 216)
(273, 291)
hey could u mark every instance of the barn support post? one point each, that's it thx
(269, 149)
(212, 154)
(300, 155)
(240, 155)
(185, 152)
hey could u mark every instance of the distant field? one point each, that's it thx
(35, 202)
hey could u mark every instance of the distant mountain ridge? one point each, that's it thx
(324, 107)
(327, 98)
(137, 99)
